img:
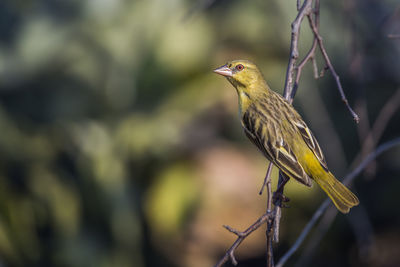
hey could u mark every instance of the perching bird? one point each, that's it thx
(276, 128)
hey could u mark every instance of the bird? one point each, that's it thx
(280, 133)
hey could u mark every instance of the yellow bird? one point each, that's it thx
(276, 128)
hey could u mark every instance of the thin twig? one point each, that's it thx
(270, 234)
(289, 92)
(241, 236)
(269, 252)
(267, 217)
(266, 179)
(314, 28)
(283, 179)
(294, 51)
(311, 53)
(348, 179)
(310, 56)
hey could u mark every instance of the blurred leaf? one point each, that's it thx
(170, 199)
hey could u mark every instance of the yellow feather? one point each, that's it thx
(342, 197)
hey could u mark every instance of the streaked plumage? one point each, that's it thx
(276, 128)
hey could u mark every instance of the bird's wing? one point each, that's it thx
(274, 149)
(311, 142)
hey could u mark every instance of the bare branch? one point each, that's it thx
(311, 53)
(289, 92)
(279, 198)
(305, 9)
(310, 56)
(320, 211)
(332, 69)
(266, 181)
(241, 236)
(267, 217)
(269, 252)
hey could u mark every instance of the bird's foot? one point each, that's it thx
(279, 197)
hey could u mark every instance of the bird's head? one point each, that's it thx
(242, 74)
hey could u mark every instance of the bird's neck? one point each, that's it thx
(251, 94)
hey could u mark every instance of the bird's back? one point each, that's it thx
(279, 132)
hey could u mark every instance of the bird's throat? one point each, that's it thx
(244, 101)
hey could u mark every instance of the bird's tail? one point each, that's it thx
(340, 195)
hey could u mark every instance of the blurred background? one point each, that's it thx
(120, 147)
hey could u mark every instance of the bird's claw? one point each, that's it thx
(278, 196)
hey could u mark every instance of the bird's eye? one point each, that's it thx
(239, 67)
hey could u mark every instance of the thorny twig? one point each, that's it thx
(347, 180)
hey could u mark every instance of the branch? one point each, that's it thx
(241, 236)
(320, 211)
(267, 217)
(314, 28)
(267, 182)
(311, 53)
(288, 91)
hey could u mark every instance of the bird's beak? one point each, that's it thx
(224, 71)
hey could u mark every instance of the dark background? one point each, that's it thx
(120, 147)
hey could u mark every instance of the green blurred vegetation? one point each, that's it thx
(119, 147)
